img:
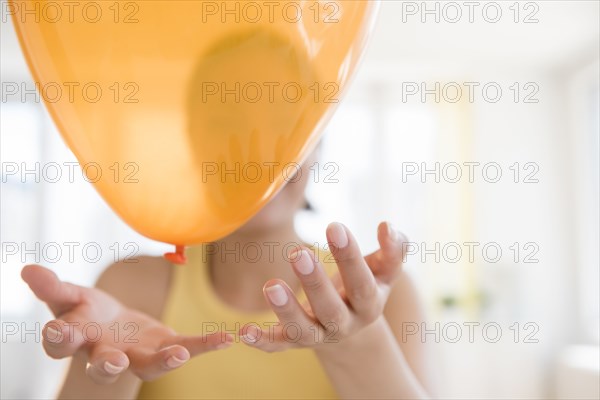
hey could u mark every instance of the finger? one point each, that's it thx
(294, 323)
(325, 301)
(201, 344)
(148, 364)
(386, 262)
(359, 283)
(106, 364)
(270, 341)
(61, 339)
(60, 296)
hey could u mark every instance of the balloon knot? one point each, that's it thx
(178, 257)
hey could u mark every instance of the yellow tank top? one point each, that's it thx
(239, 372)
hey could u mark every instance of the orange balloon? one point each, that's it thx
(188, 116)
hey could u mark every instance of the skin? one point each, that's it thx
(353, 321)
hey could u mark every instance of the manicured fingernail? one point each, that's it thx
(277, 295)
(338, 235)
(251, 335)
(392, 232)
(174, 362)
(53, 335)
(112, 369)
(249, 338)
(303, 262)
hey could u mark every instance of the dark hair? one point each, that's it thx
(308, 206)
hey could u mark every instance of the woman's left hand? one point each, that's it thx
(337, 308)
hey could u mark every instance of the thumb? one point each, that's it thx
(60, 296)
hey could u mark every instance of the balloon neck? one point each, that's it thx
(178, 257)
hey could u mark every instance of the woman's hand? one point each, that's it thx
(112, 337)
(337, 308)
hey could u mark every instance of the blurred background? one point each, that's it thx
(477, 137)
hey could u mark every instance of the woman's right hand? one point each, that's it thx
(114, 338)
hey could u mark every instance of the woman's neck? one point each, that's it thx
(241, 263)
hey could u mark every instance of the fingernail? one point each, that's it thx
(277, 295)
(392, 232)
(249, 338)
(112, 369)
(251, 335)
(295, 255)
(174, 362)
(338, 235)
(53, 335)
(303, 262)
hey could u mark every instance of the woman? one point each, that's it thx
(214, 329)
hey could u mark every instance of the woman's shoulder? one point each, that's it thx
(142, 285)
